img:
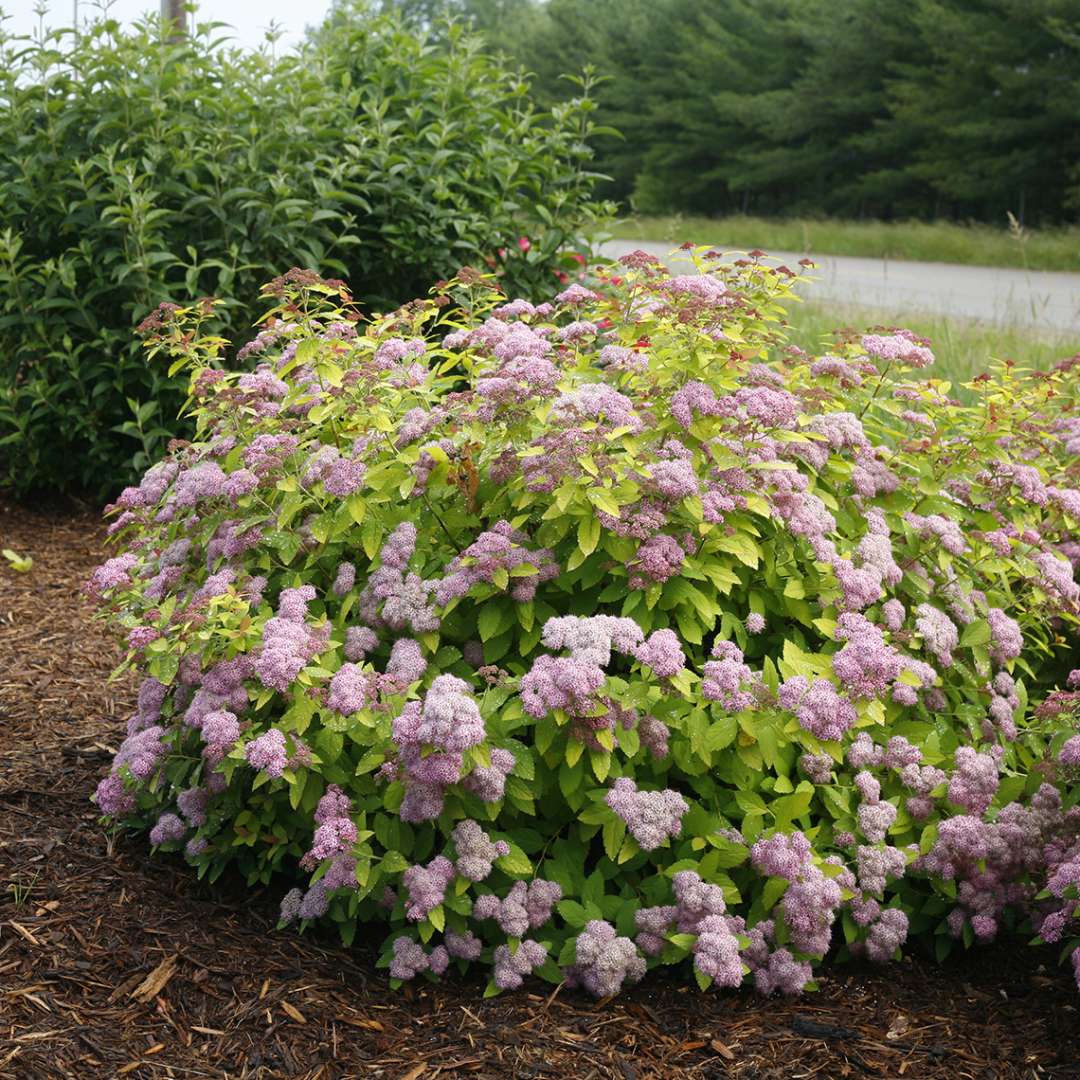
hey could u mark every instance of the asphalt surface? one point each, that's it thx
(990, 294)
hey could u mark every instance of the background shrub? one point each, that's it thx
(134, 170)
(588, 636)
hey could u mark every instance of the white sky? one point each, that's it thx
(249, 18)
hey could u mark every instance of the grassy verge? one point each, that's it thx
(962, 347)
(973, 245)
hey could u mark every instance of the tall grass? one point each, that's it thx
(972, 245)
(963, 347)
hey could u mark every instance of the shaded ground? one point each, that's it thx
(115, 964)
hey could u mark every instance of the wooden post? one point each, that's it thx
(174, 18)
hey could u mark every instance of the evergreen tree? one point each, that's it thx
(813, 145)
(950, 108)
(718, 56)
(990, 105)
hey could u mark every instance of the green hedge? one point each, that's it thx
(135, 170)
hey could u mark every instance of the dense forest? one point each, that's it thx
(955, 109)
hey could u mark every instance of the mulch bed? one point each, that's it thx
(113, 963)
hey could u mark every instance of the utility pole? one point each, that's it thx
(174, 17)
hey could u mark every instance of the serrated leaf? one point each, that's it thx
(393, 862)
(774, 888)
(572, 912)
(516, 862)
(789, 807)
(602, 499)
(727, 852)
(975, 633)
(488, 621)
(613, 832)
(356, 506)
(601, 764)
(742, 547)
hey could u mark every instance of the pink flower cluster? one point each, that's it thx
(651, 817)
(476, 851)
(426, 886)
(500, 549)
(727, 679)
(527, 905)
(289, 643)
(604, 960)
(448, 720)
(817, 706)
(335, 834)
(394, 596)
(811, 900)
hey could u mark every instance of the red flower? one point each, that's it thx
(524, 243)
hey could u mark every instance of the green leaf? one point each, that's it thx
(742, 547)
(296, 789)
(393, 862)
(371, 538)
(614, 832)
(601, 764)
(588, 533)
(570, 778)
(573, 913)
(602, 499)
(21, 564)
(356, 507)
(775, 887)
(975, 633)
(489, 620)
(516, 863)
(789, 807)
(750, 803)
(727, 852)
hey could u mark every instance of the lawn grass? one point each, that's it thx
(962, 347)
(972, 245)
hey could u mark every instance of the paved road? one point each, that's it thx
(1047, 300)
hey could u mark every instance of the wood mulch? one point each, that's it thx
(116, 964)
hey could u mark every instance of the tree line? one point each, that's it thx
(955, 109)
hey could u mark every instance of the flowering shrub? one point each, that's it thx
(578, 638)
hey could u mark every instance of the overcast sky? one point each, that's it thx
(249, 18)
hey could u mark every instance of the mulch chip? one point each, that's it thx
(116, 964)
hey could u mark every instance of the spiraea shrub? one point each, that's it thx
(136, 169)
(577, 638)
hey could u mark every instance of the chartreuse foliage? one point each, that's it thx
(135, 170)
(605, 633)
